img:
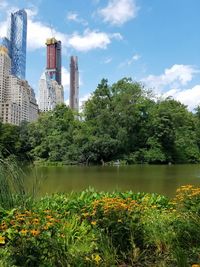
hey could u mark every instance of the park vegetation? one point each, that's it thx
(123, 121)
(92, 228)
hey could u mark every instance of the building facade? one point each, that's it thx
(74, 84)
(59, 92)
(17, 99)
(51, 91)
(17, 35)
(54, 59)
(5, 67)
(47, 96)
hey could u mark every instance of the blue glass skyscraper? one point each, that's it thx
(17, 34)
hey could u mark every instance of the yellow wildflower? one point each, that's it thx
(93, 222)
(96, 258)
(2, 240)
(49, 224)
(35, 232)
(23, 231)
(35, 221)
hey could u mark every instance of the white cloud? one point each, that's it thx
(67, 102)
(189, 97)
(82, 101)
(172, 81)
(84, 98)
(130, 61)
(65, 78)
(32, 12)
(117, 12)
(72, 16)
(176, 76)
(3, 28)
(92, 40)
(135, 57)
(38, 32)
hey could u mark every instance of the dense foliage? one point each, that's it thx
(123, 121)
(103, 229)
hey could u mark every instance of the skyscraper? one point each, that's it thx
(54, 59)
(5, 65)
(74, 83)
(17, 33)
(17, 99)
(51, 90)
(47, 95)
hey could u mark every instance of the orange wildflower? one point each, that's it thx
(35, 232)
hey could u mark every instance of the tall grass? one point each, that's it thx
(12, 187)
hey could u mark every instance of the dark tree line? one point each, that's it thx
(122, 121)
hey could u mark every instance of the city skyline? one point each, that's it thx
(156, 43)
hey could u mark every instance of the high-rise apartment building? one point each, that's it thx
(74, 83)
(59, 92)
(5, 66)
(47, 96)
(17, 99)
(51, 90)
(17, 34)
(50, 93)
(54, 59)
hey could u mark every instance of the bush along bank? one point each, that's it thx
(103, 229)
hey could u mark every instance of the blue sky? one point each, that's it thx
(156, 42)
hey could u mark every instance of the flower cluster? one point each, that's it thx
(28, 223)
(187, 197)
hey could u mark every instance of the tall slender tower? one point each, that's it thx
(74, 83)
(17, 34)
(54, 59)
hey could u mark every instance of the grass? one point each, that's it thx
(12, 189)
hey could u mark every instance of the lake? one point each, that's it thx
(162, 179)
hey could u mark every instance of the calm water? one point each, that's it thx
(145, 178)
